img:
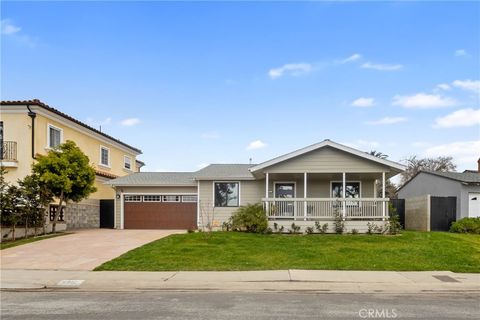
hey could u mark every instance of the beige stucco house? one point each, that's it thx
(301, 187)
(31, 128)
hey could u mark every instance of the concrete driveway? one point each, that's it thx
(82, 250)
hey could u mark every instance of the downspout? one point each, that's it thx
(32, 115)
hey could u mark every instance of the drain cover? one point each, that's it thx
(70, 283)
(446, 279)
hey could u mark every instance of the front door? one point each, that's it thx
(285, 190)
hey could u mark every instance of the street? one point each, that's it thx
(229, 305)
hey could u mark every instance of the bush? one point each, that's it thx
(322, 228)
(354, 231)
(250, 218)
(466, 225)
(338, 222)
(295, 229)
(309, 230)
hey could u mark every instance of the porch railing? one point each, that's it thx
(8, 150)
(325, 208)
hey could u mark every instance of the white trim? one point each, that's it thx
(305, 207)
(375, 188)
(122, 213)
(124, 162)
(383, 195)
(160, 193)
(332, 144)
(51, 126)
(266, 184)
(198, 204)
(280, 182)
(109, 158)
(346, 182)
(226, 181)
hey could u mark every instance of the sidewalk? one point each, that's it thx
(251, 281)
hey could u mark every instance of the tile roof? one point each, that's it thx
(468, 176)
(66, 116)
(225, 171)
(155, 179)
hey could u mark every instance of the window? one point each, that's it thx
(171, 198)
(152, 198)
(104, 156)
(53, 211)
(226, 194)
(133, 198)
(54, 136)
(352, 189)
(127, 163)
(189, 198)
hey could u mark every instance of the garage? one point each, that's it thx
(160, 211)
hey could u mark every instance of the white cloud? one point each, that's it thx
(423, 101)
(210, 135)
(352, 58)
(420, 144)
(469, 85)
(293, 69)
(363, 102)
(460, 53)
(381, 67)
(388, 120)
(129, 122)
(443, 86)
(8, 28)
(463, 152)
(460, 118)
(257, 144)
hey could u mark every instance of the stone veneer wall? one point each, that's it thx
(417, 213)
(85, 214)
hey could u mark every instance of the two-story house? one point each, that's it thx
(32, 128)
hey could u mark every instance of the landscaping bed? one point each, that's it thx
(227, 251)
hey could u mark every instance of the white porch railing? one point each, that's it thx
(325, 208)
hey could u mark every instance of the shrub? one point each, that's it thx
(466, 225)
(393, 224)
(226, 226)
(371, 227)
(309, 230)
(354, 231)
(322, 228)
(250, 218)
(294, 229)
(338, 223)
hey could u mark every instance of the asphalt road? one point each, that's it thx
(221, 305)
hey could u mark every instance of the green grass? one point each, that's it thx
(223, 251)
(5, 244)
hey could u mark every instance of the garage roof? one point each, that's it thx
(155, 179)
(225, 171)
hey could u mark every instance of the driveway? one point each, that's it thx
(82, 250)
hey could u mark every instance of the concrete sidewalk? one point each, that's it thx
(251, 281)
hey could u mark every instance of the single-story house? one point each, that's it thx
(464, 186)
(307, 185)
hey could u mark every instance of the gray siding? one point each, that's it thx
(327, 160)
(317, 188)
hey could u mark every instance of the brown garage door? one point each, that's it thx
(160, 215)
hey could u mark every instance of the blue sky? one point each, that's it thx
(208, 82)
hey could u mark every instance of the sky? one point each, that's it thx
(192, 83)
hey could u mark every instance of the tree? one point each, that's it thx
(378, 154)
(390, 188)
(414, 165)
(66, 173)
(35, 199)
(12, 207)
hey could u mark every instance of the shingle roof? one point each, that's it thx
(467, 176)
(225, 171)
(39, 103)
(155, 179)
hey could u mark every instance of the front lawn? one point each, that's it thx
(222, 251)
(5, 244)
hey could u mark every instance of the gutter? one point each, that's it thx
(32, 115)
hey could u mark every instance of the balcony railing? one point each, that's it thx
(8, 151)
(326, 208)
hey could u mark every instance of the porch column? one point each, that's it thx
(305, 196)
(383, 194)
(267, 209)
(344, 193)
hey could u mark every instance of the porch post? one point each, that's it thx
(305, 196)
(383, 194)
(267, 209)
(344, 192)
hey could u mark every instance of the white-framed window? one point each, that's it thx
(133, 198)
(171, 199)
(54, 136)
(152, 198)
(226, 194)
(189, 198)
(127, 162)
(352, 189)
(104, 156)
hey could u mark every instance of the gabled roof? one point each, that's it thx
(225, 171)
(154, 179)
(39, 103)
(323, 144)
(468, 176)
